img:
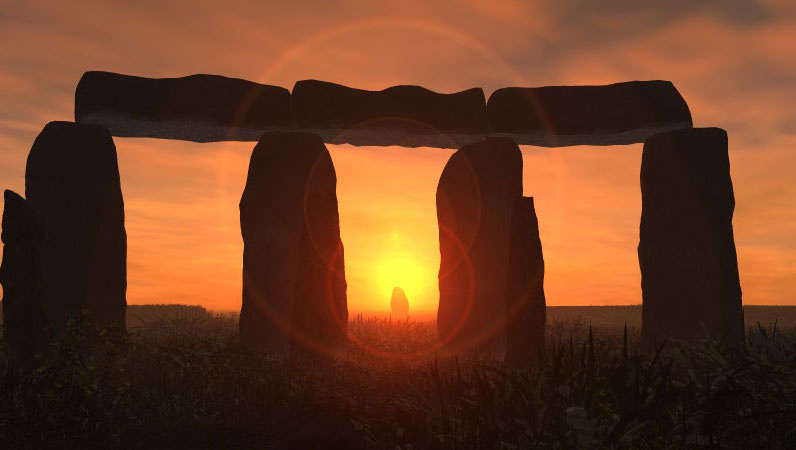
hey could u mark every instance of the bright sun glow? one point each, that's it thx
(399, 268)
(400, 271)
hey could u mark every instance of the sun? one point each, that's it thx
(404, 271)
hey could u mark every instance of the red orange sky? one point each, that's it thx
(732, 61)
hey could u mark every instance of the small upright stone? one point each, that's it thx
(73, 191)
(24, 323)
(399, 304)
(294, 289)
(475, 198)
(689, 268)
(525, 301)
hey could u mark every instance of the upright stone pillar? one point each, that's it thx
(689, 268)
(294, 289)
(74, 193)
(475, 198)
(24, 322)
(525, 301)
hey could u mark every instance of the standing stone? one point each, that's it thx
(475, 198)
(399, 304)
(320, 312)
(689, 268)
(73, 190)
(24, 329)
(525, 301)
(294, 289)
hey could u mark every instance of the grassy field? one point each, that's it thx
(607, 317)
(179, 380)
(617, 316)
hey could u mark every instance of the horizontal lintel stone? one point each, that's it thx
(208, 108)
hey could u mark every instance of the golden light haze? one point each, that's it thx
(731, 60)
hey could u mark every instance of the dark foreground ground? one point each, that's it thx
(179, 380)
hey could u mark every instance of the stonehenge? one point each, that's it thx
(65, 241)
(525, 301)
(199, 108)
(294, 288)
(475, 199)
(557, 116)
(686, 251)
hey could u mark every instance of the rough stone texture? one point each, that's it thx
(689, 269)
(24, 323)
(555, 116)
(410, 116)
(525, 301)
(199, 108)
(206, 108)
(475, 198)
(399, 304)
(73, 190)
(294, 289)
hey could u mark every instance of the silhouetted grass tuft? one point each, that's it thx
(181, 380)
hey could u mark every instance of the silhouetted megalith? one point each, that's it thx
(199, 108)
(525, 300)
(73, 189)
(205, 108)
(475, 198)
(399, 304)
(410, 116)
(555, 116)
(689, 268)
(294, 289)
(24, 323)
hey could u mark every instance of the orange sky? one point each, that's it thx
(732, 61)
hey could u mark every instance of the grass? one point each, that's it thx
(179, 380)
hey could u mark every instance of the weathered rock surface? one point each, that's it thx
(475, 198)
(294, 289)
(206, 108)
(689, 268)
(409, 116)
(525, 301)
(24, 323)
(399, 304)
(199, 108)
(555, 116)
(73, 191)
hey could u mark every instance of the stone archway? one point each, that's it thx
(681, 166)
